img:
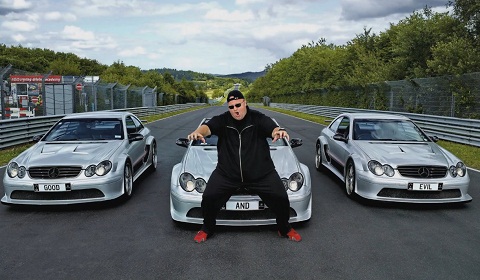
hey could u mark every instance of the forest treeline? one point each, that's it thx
(424, 44)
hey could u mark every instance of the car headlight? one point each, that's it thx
(100, 169)
(294, 182)
(458, 170)
(200, 185)
(189, 183)
(379, 169)
(13, 170)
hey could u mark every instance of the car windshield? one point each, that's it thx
(387, 130)
(86, 129)
(212, 141)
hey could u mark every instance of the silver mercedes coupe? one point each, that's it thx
(388, 157)
(190, 176)
(87, 157)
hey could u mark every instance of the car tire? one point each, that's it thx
(318, 157)
(350, 180)
(127, 180)
(154, 157)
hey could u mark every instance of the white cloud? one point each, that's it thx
(75, 33)
(133, 52)
(58, 16)
(19, 38)
(19, 26)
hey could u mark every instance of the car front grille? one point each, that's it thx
(398, 193)
(70, 195)
(430, 172)
(54, 172)
(265, 214)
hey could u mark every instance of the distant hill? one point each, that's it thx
(250, 76)
(191, 75)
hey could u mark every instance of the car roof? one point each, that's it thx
(375, 116)
(98, 114)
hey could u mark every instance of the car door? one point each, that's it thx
(137, 149)
(339, 150)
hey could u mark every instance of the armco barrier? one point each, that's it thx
(21, 131)
(465, 131)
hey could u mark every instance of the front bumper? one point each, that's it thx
(85, 190)
(187, 208)
(395, 189)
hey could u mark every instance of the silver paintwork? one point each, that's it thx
(141, 153)
(333, 155)
(201, 160)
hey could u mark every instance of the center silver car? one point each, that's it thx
(190, 176)
(388, 157)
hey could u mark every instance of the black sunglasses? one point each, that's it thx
(236, 105)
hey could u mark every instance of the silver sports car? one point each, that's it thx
(85, 157)
(190, 176)
(388, 157)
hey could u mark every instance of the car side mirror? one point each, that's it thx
(340, 137)
(182, 142)
(296, 142)
(434, 138)
(132, 137)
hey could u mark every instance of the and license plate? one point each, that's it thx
(51, 187)
(242, 205)
(425, 186)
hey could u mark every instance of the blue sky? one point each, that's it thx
(217, 37)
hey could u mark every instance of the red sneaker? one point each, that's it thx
(200, 237)
(292, 235)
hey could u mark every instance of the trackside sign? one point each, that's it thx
(34, 79)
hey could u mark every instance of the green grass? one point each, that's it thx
(7, 154)
(468, 154)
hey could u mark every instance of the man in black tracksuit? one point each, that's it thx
(243, 161)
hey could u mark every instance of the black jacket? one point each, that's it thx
(243, 151)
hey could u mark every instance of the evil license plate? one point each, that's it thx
(50, 187)
(242, 205)
(425, 186)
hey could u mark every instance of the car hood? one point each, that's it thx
(421, 153)
(200, 162)
(71, 153)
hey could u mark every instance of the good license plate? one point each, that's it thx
(242, 205)
(425, 186)
(50, 187)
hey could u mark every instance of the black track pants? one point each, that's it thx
(270, 189)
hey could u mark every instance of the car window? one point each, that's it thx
(85, 129)
(334, 125)
(342, 126)
(392, 130)
(133, 124)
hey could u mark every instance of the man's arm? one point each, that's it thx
(199, 133)
(278, 133)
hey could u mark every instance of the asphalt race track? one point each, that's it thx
(137, 239)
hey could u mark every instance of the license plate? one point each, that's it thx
(242, 205)
(425, 186)
(50, 187)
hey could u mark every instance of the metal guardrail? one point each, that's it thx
(465, 131)
(21, 131)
